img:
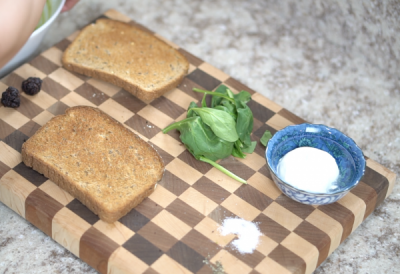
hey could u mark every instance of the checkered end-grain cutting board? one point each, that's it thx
(175, 230)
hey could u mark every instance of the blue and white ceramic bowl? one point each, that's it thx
(347, 154)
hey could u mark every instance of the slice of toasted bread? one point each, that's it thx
(95, 159)
(126, 56)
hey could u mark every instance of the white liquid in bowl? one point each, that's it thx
(309, 169)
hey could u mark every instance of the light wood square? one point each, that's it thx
(253, 160)
(155, 116)
(3, 87)
(259, 98)
(278, 122)
(266, 245)
(191, 68)
(73, 99)
(198, 201)
(355, 205)
(56, 192)
(241, 208)
(162, 196)
(328, 225)
(304, 249)
(282, 216)
(180, 98)
(113, 14)
(73, 36)
(216, 73)
(68, 228)
(13, 117)
(116, 111)
(209, 228)
(175, 46)
(66, 79)
(27, 70)
(167, 265)
(230, 263)
(124, 262)
(9, 156)
(105, 87)
(115, 231)
(264, 185)
(183, 171)
(171, 224)
(14, 189)
(42, 99)
(54, 55)
(43, 117)
(223, 180)
(269, 266)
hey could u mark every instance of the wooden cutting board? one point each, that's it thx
(175, 230)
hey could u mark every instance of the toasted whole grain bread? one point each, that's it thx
(126, 56)
(95, 159)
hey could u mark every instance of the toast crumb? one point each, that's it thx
(95, 159)
(126, 56)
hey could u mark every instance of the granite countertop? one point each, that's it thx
(331, 62)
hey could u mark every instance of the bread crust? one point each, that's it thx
(104, 190)
(126, 56)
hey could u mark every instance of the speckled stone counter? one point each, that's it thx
(330, 62)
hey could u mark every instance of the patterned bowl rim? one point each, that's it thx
(359, 153)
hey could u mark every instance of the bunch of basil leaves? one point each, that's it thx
(215, 132)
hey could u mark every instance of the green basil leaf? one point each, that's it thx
(191, 113)
(221, 123)
(265, 138)
(216, 100)
(203, 101)
(250, 148)
(244, 123)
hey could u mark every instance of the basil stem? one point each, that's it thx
(224, 170)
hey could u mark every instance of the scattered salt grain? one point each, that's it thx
(247, 232)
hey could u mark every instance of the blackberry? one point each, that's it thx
(10, 97)
(32, 85)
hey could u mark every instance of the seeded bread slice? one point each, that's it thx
(126, 56)
(95, 159)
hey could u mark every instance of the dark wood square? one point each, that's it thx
(43, 64)
(185, 212)
(288, 259)
(174, 184)
(15, 140)
(195, 61)
(129, 101)
(378, 182)
(157, 236)
(260, 112)
(3, 169)
(200, 243)
(238, 85)
(211, 190)
(13, 80)
(238, 168)
(29, 108)
(187, 86)
(5, 129)
(186, 256)
(291, 116)
(203, 79)
(166, 157)
(141, 125)
(40, 209)
(264, 170)
(29, 128)
(54, 89)
(254, 197)
(31, 175)
(168, 107)
(143, 249)
(299, 209)
(148, 208)
(270, 228)
(63, 44)
(95, 248)
(175, 134)
(134, 220)
(316, 237)
(220, 213)
(82, 211)
(58, 108)
(189, 159)
(92, 94)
